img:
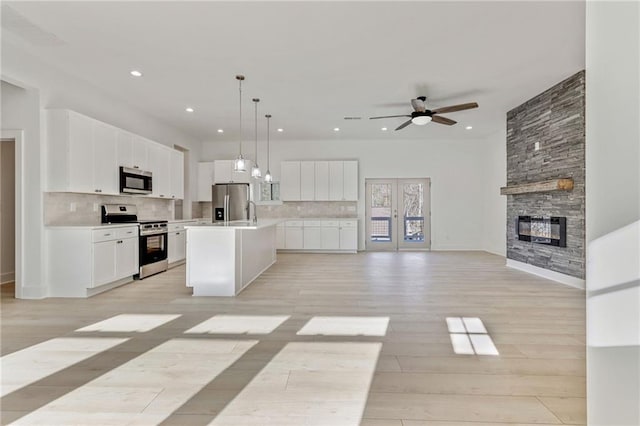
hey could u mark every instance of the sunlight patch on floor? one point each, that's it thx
(149, 388)
(140, 323)
(239, 324)
(44, 359)
(345, 326)
(308, 383)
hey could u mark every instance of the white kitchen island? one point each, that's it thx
(224, 258)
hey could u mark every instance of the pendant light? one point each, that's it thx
(267, 176)
(255, 169)
(239, 164)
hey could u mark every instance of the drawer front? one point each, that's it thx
(312, 223)
(294, 223)
(176, 227)
(127, 232)
(105, 235)
(330, 223)
(349, 223)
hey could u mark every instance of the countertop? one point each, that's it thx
(99, 226)
(237, 224)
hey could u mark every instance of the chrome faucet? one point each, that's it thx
(255, 211)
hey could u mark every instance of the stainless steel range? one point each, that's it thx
(153, 237)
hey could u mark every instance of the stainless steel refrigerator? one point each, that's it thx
(230, 201)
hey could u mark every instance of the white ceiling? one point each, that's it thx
(311, 63)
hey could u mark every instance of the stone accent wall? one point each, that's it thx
(555, 119)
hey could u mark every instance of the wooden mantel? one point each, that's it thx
(564, 184)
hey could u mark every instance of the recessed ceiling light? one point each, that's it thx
(336, 129)
(281, 130)
(469, 127)
(136, 73)
(220, 131)
(189, 109)
(384, 129)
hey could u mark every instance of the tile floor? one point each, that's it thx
(317, 339)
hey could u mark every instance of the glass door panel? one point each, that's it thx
(388, 230)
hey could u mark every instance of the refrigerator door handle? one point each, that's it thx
(226, 208)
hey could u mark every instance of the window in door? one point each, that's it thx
(398, 214)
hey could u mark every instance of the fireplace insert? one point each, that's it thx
(543, 230)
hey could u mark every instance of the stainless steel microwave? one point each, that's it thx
(135, 181)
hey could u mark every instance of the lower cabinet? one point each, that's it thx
(84, 261)
(336, 235)
(177, 244)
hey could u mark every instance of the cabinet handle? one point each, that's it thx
(98, 190)
(136, 167)
(177, 233)
(173, 196)
(129, 232)
(120, 242)
(107, 235)
(161, 195)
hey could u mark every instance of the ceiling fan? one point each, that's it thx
(421, 115)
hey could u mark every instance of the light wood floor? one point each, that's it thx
(537, 326)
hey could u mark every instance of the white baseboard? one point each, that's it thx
(7, 277)
(545, 273)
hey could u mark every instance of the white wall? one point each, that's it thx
(495, 205)
(457, 170)
(7, 211)
(613, 212)
(21, 111)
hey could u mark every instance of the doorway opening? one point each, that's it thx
(398, 214)
(7, 217)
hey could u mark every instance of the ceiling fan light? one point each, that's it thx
(421, 120)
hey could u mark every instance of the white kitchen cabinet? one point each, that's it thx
(350, 180)
(104, 263)
(224, 173)
(177, 246)
(294, 235)
(177, 174)
(83, 261)
(124, 148)
(343, 180)
(105, 170)
(307, 181)
(159, 165)
(349, 235)
(312, 235)
(280, 236)
(322, 181)
(140, 153)
(290, 181)
(205, 180)
(75, 161)
(330, 235)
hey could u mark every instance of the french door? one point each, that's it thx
(398, 214)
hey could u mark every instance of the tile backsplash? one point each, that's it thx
(301, 209)
(68, 208)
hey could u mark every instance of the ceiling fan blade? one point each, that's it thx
(454, 108)
(389, 116)
(443, 120)
(403, 125)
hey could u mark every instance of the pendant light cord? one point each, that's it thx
(240, 78)
(256, 100)
(268, 152)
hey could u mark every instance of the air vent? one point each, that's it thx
(353, 118)
(22, 27)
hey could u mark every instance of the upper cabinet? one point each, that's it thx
(224, 173)
(84, 155)
(205, 180)
(81, 154)
(319, 180)
(290, 181)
